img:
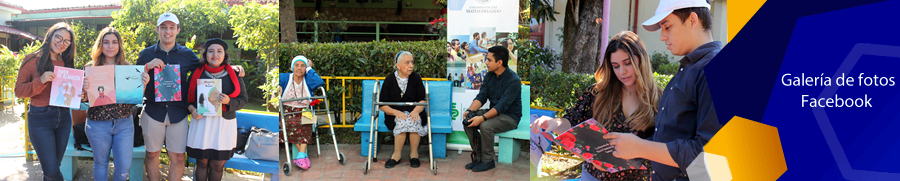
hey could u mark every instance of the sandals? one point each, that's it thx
(303, 163)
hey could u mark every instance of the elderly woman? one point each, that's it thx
(404, 85)
(299, 128)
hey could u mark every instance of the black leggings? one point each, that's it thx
(207, 169)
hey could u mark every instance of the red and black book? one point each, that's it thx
(586, 141)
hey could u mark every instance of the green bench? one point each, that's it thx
(510, 146)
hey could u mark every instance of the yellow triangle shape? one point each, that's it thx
(739, 13)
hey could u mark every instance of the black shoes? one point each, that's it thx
(471, 165)
(483, 166)
(391, 163)
(414, 163)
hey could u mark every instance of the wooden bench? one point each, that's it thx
(440, 117)
(510, 146)
(246, 120)
(70, 160)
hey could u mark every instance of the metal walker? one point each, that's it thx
(286, 167)
(373, 147)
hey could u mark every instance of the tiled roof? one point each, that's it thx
(92, 6)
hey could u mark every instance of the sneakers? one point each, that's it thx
(303, 163)
(483, 166)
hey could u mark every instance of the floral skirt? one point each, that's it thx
(408, 125)
(296, 131)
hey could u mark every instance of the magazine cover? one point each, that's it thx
(208, 91)
(168, 83)
(586, 141)
(102, 90)
(65, 91)
(129, 87)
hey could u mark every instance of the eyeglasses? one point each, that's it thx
(59, 39)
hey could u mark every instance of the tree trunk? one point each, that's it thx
(581, 51)
(287, 21)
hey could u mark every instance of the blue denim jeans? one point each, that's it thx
(49, 128)
(116, 135)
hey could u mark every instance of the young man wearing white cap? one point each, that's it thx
(167, 121)
(686, 118)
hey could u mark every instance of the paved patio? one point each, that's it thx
(327, 167)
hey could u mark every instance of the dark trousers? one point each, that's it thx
(497, 124)
(49, 129)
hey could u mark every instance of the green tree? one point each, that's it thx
(85, 35)
(256, 27)
(137, 21)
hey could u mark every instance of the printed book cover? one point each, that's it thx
(168, 83)
(586, 141)
(129, 86)
(65, 90)
(102, 90)
(208, 91)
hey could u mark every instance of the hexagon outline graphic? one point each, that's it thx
(831, 139)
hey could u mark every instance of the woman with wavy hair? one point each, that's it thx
(624, 99)
(110, 127)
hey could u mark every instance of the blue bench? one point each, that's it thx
(70, 160)
(247, 120)
(510, 147)
(440, 116)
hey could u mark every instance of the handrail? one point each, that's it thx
(377, 33)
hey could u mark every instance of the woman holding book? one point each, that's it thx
(211, 139)
(624, 99)
(49, 126)
(110, 127)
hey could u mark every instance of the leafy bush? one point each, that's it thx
(532, 56)
(363, 59)
(557, 89)
(662, 80)
(10, 61)
(271, 87)
(663, 63)
(668, 68)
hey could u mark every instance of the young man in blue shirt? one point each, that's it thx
(503, 88)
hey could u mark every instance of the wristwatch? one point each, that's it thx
(483, 118)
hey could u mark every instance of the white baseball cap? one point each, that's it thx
(167, 17)
(666, 7)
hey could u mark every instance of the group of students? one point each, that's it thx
(667, 127)
(109, 128)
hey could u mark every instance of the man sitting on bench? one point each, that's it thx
(503, 88)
